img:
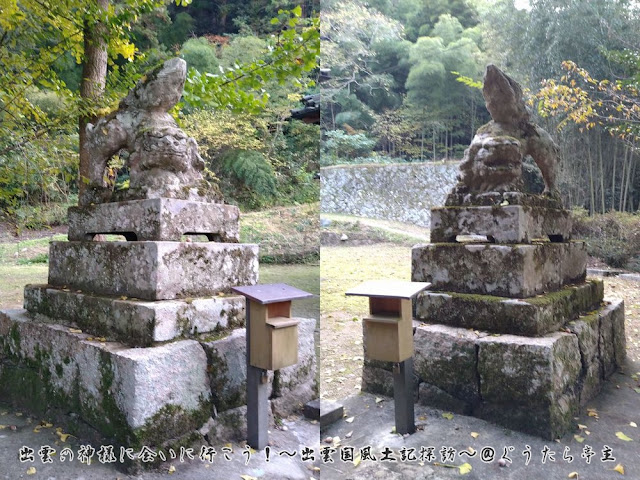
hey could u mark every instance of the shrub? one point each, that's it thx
(613, 237)
(200, 54)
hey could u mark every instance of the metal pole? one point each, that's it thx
(403, 396)
(257, 398)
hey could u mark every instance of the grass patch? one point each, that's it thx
(13, 253)
(13, 278)
(285, 234)
(342, 268)
(304, 277)
(40, 258)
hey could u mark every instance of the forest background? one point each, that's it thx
(250, 63)
(405, 85)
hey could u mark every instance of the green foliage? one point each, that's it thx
(200, 54)
(252, 170)
(43, 170)
(287, 156)
(290, 55)
(340, 146)
(177, 32)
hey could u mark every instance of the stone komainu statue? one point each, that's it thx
(493, 161)
(163, 160)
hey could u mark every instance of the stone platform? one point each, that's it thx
(531, 384)
(163, 219)
(152, 270)
(124, 393)
(501, 224)
(532, 316)
(137, 323)
(517, 271)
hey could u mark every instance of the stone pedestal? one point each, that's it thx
(512, 332)
(121, 334)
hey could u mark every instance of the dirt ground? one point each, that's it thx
(343, 267)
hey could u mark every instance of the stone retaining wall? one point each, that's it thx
(402, 192)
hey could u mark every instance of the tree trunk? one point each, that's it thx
(592, 196)
(602, 205)
(624, 174)
(613, 176)
(94, 76)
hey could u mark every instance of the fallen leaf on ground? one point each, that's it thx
(573, 475)
(578, 438)
(475, 434)
(348, 435)
(172, 469)
(248, 477)
(75, 330)
(31, 471)
(447, 415)
(619, 468)
(357, 460)
(378, 399)
(464, 468)
(633, 424)
(581, 427)
(622, 436)
(350, 419)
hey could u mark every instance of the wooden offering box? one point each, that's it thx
(273, 334)
(388, 329)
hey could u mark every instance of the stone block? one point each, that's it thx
(527, 370)
(591, 382)
(330, 412)
(491, 199)
(516, 271)
(165, 219)
(152, 270)
(135, 323)
(231, 425)
(227, 369)
(619, 335)
(446, 357)
(131, 396)
(612, 343)
(436, 397)
(503, 224)
(533, 316)
(377, 380)
(587, 330)
(312, 409)
(550, 421)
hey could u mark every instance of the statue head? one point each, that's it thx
(159, 90)
(503, 97)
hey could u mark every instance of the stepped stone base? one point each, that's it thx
(134, 322)
(503, 224)
(516, 271)
(152, 270)
(164, 219)
(531, 316)
(531, 384)
(126, 394)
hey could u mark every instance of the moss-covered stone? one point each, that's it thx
(533, 316)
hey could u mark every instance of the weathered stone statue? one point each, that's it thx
(493, 162)
(513, 331)
(163, 160)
